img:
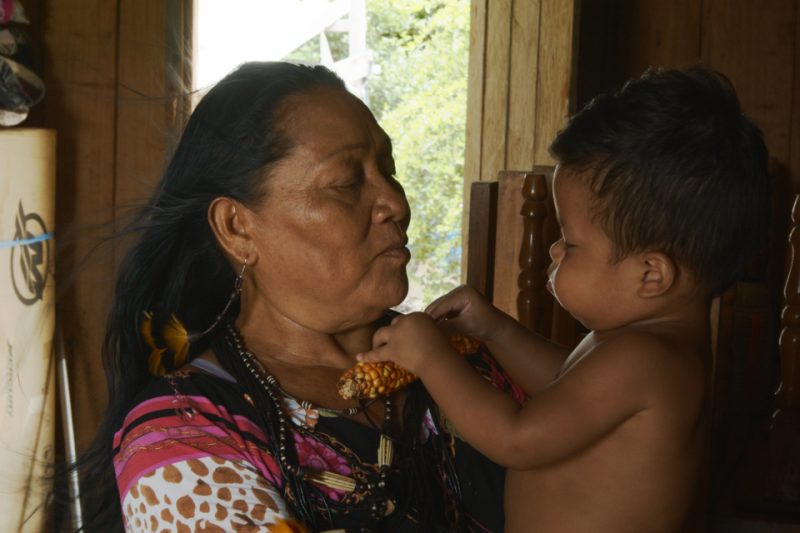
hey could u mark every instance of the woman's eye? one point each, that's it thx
(348, 183)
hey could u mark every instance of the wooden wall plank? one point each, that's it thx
(555, 92)
(475, 93)
(619, 39)
(155, 50)
(522, 84)
(604, 33)
(754, 46)
(143, 99)
(794, 132)
(495, 101)
(474, 126)
(665, 34)
(108, 80)
(79, 72)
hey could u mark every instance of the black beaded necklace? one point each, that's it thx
(383, 505)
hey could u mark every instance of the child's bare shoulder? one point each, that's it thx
(659, 360)
(643, 348)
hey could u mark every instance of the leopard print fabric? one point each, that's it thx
(208, 494)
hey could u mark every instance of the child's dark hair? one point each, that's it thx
(675, 167)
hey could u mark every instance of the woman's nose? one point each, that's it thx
(391, 203)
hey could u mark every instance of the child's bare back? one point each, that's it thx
(640, 476)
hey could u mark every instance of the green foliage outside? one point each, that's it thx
(418, 93)
(419, 96)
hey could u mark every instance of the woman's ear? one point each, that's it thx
(228, 220)
(659, 274)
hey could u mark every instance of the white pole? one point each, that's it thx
(73, 484)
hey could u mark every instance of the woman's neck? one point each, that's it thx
(290, 343)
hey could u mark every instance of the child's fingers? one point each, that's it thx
(431, 309)
(381, 336)
(449, 305)
(451, 327)
(375, 355)
(444, 297)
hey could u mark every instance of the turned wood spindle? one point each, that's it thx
(533, 303)
(783, 468)
(788, 393)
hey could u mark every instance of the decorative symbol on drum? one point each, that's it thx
(30, 256)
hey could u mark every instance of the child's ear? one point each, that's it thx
(658, 273)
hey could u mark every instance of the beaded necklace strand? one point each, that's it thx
(330, 479)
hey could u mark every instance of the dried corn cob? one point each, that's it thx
(371, 380)
(463, 344)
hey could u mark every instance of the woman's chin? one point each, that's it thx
(393, 294)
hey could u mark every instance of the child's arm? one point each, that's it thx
(610, 384)
(531, 360)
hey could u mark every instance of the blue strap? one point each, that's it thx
(25, 242)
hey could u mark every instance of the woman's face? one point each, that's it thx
(331, 232)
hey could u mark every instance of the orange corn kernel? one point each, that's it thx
(371, 380)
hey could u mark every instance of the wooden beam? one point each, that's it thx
(80, 41)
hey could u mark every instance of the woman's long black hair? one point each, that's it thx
(174, 265)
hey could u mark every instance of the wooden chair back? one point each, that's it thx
(783, 473)
(775, 489)
(512, 225)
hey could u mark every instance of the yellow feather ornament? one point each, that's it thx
(177, 338)
(155, 363)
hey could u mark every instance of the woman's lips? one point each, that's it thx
(397, 252)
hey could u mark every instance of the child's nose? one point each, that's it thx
(557, 250)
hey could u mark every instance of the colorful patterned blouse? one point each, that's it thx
(189, 457)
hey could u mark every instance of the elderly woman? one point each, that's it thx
(269, 254)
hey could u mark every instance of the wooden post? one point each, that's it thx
(788, 393)
(534, 304)
(481, 237)
(783, 485)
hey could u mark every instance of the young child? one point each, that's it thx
(662, 194)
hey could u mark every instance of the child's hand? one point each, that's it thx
(465, 311)
(408, 341)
